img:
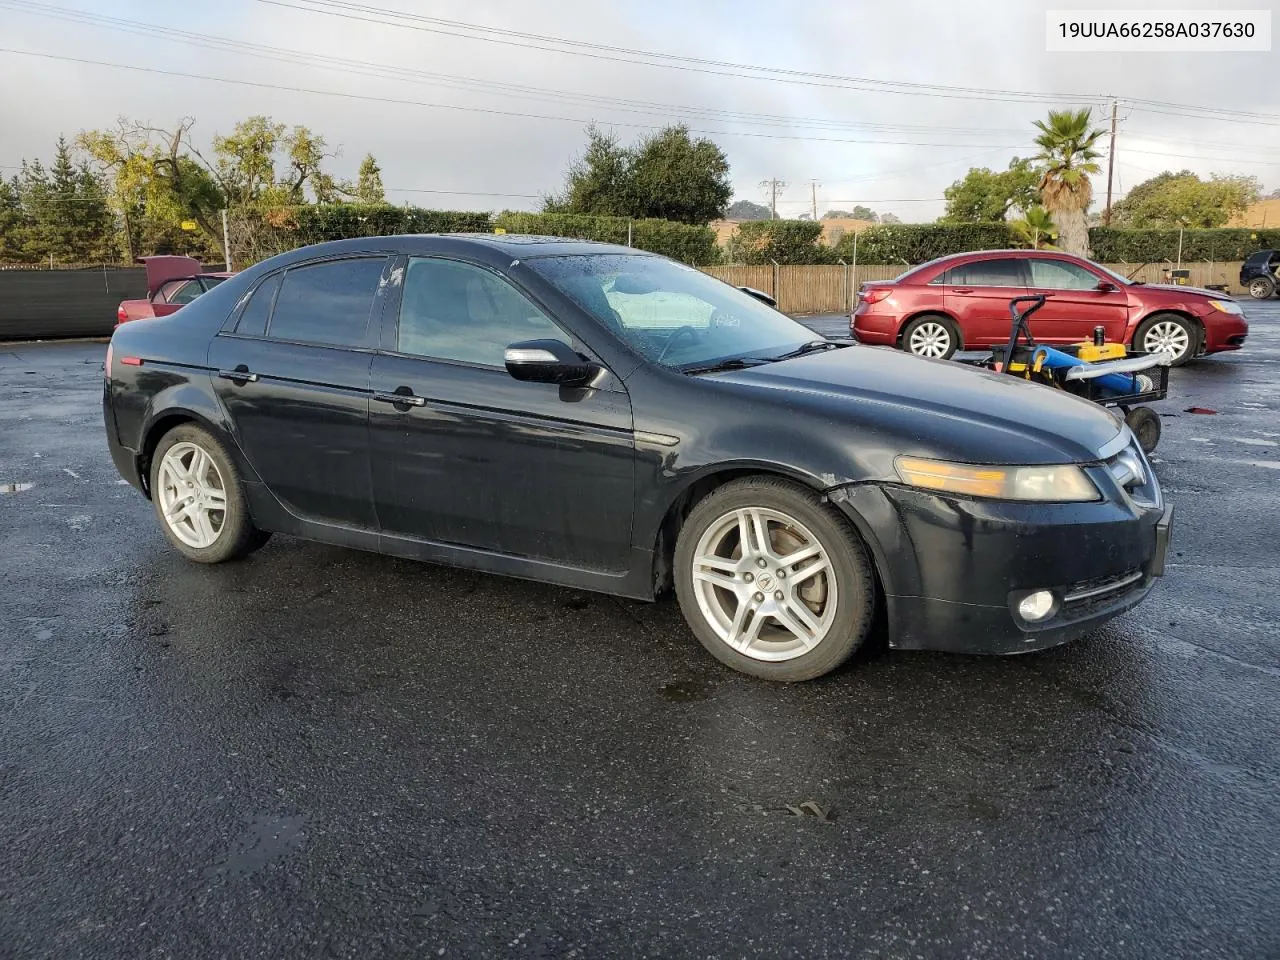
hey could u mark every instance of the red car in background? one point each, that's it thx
(171, 282)
(962, 302)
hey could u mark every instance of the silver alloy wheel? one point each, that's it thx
(764, 584)
(192, 495)
(930, 339)
(1167, 336)
(1260, 288)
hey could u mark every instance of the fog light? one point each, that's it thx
(1036, 606)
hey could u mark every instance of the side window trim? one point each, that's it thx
(391, 341)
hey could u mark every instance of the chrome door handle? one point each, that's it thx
(405, 399)
(238, 376)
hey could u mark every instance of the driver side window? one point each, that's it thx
(457, 311)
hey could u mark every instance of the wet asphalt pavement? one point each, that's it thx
(324, 753)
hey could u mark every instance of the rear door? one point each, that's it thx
(977, 294)
(1075, 305)
(293, 377)
(475, 458)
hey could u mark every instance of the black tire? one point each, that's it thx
(236, 535)
(1165, 321)
(1145, 424)
(937, 320)
(850, 569)
(1262, 287)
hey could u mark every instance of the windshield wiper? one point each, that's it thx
(731, 363)
(811, 347)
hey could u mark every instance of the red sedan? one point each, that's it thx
(962, 302)
(171, 283)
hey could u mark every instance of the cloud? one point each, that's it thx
(983, 44)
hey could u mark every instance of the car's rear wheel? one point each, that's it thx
(1168, 333)
(932, 336)
(198, 498)
(1262, 288)
(772, 581)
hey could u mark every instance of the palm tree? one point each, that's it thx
(1036, 229)
(1067, 155)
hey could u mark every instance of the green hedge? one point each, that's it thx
(779, 241)
(917, 242)
(1114, 245)
(341, 220)
(690, 244)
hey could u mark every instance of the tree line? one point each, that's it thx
(1048, 196)
(134, 189)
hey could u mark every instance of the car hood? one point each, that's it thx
(1174, 288)
(937, 407)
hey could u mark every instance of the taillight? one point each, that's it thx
(874, 294)
(121, 314)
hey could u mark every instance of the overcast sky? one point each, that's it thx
(795, 131)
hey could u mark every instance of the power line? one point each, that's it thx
(475, 84)
(395, 101)
(456, 28)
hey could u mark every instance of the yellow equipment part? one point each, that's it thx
(1091, 352)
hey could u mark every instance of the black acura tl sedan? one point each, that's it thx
(593, 416)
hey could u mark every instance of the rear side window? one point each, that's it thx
(1006, 272)
(253, 321)
(180, 291)
(327, 302)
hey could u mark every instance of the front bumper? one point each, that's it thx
(1223, 331)
(954, 569)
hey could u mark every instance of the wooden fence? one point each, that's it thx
(826, 289)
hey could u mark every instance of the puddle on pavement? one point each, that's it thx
(15, 487)
(687, 691)
(266, 838)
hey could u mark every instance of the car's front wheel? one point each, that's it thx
(772, 581)
(1262, 288)
(197, 495)
(1168, 333)
(932, 336)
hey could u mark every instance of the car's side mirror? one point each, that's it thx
(760, 295)
(1105, 286)
(547, 361)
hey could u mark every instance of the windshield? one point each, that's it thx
(1120, 279)
(672, 314)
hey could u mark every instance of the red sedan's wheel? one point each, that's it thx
(932, 336)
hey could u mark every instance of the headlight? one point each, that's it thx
(1056, 483)
(1226, 306)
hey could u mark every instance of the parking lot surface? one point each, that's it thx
(325, 753)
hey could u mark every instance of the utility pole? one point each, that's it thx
(226, 241)
(1111, 166)
(813, 185)
(773, 186)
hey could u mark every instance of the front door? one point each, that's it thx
(977, 294)
(474, 458)
(1074, 304)
(293, 377)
